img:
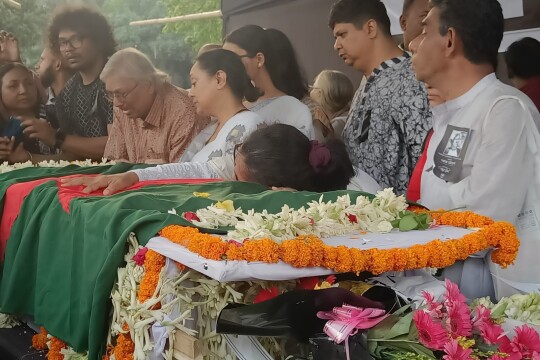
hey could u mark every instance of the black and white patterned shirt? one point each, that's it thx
(84, 110)
(387, 124)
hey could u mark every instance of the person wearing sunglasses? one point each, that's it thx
(262, 158)
(84, 38)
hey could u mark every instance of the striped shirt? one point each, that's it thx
(162, 137)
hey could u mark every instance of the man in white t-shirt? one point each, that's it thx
(478, 157)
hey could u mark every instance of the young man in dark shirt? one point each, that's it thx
(85, 40)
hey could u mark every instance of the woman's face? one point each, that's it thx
(19, 92)
(204, 88)
(251, 63)
(316, 91)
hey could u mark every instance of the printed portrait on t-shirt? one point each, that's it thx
(455, 143)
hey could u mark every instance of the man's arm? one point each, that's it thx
(503, 168)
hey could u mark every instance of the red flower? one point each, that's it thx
(266, 294)
(491, 333)
(459, 322)
(430, 333)
(481, 315)
(191, 216)
(352, 218)
(455, 352)
(234, 242)
(308, 283)
(140, 256)
(331, 279)
(523, 345)
(453, 294)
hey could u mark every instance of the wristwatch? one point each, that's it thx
(59, 137)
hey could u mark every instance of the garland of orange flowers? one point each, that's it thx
(124, 345)
(311, 251)
(153, 263)
(55, 346)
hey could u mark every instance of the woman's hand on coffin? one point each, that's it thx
(110, 183)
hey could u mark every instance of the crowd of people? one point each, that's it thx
(431, 119)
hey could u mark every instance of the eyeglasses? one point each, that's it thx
(118, 95)
(74, 42)
(246, 56)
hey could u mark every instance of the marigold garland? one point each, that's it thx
(39, 341)
(55, 346)
(125, 347)
(153, 263)
(310, 251)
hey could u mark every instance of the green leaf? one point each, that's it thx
(408, 223)
(422, 350)
(402, 327)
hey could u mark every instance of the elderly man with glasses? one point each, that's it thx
(154, 121)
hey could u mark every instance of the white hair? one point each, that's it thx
(133, 64)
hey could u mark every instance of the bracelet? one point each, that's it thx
(30, 156)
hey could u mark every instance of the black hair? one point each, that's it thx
(478, 23)
(407, 5)
(6, 68)
(280, 58)
(358, 12)
(29, 144)
(238, 80)
(278, 155)
(523, 58)
(87, 22)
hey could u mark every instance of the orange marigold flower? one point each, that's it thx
(56, 345)
(153, 264)
(39, 341)
(124, 347)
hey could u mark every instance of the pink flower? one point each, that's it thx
(458, 322)
(191, 216)
(455, 352)
(430, 333)
(352, 218)
(525, 343)
(140, 256)
(481, 315)
(497, 357)
(491, 333)
(453, 294)
(536, 356)
(434, 308)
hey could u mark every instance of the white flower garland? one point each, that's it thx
(319, 218)
(6, 167)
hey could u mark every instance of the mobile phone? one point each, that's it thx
(14, 129)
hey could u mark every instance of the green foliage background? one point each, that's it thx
(171, 47)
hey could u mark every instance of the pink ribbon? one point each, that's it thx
(347, 320)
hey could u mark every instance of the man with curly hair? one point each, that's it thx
(84, 38)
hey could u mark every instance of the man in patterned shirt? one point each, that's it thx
(390, 116)
(85, 40)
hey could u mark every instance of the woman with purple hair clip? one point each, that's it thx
(278, 156)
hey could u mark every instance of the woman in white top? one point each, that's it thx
(271, 64)
(219, 83)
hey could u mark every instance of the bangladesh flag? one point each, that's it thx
(64, 247)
